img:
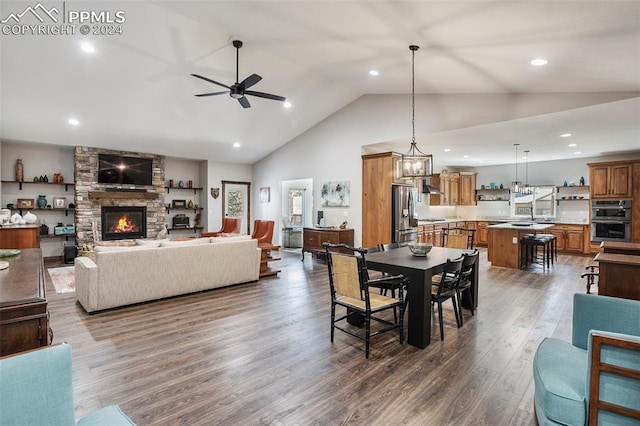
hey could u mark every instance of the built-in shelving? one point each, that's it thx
(572, 193)
(493, 194)
(66, 185)
(195, 190)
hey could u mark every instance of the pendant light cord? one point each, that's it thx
(413, 94)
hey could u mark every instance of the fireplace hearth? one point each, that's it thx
(121, 223)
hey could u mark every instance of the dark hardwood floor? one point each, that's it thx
(260, 353)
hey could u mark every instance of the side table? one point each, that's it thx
(266, 257)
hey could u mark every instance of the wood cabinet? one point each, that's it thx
(610, 180)
(458, 188)
(570, 238)
(24, 319)
(482, 233)
(20, 237)
(313, 238)
(379, 173)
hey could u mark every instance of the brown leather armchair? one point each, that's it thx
(263, 231)
(230, 225)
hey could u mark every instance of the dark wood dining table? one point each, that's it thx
(419, 270)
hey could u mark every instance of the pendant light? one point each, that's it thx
(415, 163)
(516, 185)
(527, 188)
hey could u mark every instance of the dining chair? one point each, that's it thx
(464, 279)
(349, 283)
(591, 275)
(389, 246)
(443, 287)
(461, 238)
(263, 231)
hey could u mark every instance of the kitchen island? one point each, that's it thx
(504, 241)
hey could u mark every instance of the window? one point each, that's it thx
(540, 203)
(296, 206)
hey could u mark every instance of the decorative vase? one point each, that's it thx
(30, 217)
(581, 180)
(42, 201)
(190, 204)
(19, 170)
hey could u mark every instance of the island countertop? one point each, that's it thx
(523, 227)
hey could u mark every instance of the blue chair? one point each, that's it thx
(36, 389)
(595, 379)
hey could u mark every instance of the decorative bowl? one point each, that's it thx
(420, 249)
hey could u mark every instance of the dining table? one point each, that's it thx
(419, 270)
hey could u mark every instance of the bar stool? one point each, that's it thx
(531, 243)
(553, 246)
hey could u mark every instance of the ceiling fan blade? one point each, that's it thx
(244, 102)
(265, 95)
(210, 81)
(224, 92)
(249, 81)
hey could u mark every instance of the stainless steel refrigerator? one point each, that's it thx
(404, 216)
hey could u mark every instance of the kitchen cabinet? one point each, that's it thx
(458, 188)
(482, 233)
(610, 180)
(570, 238)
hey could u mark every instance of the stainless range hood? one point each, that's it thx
(424, 187)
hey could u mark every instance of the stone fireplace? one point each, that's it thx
(92, 197)
(120, 223)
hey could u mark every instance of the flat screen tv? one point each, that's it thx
(124, 170)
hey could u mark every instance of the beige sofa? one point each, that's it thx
(122, 276)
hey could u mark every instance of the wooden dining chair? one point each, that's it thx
(349, 283)
(461, 238)
(464, 279)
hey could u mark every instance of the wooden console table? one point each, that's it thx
(314, 237)
(619, 275)
(24, 319)
(266, 257)
(20, 237)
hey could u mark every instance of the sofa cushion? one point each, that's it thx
(187, 242)
(560, 375)
(148, 243)
(118, 248)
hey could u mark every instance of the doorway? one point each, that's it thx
(236, 202)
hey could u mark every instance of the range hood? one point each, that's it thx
(425, 187)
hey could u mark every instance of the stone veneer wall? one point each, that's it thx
(88, 210)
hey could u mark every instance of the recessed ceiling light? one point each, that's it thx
(287, 104)
(73, 121)
(480, 161)
(577, 152)
(465, 156)
(573, 144)
(87, 47)
(447, 149)
(236, 145)
(565, 135)
(374, 73)
(538, 62)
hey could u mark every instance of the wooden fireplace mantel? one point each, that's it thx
(123, 195)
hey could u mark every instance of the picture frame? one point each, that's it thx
(179, 204)
(59, 202)
(25, 203)
(265, 194)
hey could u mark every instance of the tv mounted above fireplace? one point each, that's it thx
(123, 170)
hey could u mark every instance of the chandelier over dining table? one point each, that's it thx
(415, 163)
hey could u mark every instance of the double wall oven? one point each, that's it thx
(611, 220)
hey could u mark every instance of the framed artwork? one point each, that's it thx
(265, 194)
(335, 193)
(59, 202)
(179, 204)
(25, 203)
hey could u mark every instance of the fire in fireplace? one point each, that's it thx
(119, 223)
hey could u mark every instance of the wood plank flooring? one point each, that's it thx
(260, 354)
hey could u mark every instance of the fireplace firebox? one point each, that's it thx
(120, 223)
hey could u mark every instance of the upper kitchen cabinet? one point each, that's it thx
(610, 180)
(458, 188)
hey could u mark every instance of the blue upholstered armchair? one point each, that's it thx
(36, 389)
(594, 380)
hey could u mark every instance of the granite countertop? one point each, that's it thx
(523, 226)
(555, 221)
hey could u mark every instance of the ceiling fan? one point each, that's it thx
(239, 90)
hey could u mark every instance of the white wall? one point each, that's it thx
(216, 173)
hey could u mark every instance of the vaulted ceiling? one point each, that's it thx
(134, 92)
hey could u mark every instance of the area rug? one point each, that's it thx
(63, 279)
